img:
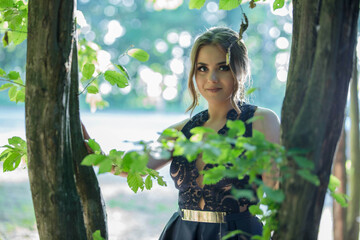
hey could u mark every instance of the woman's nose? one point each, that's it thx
(213, 76)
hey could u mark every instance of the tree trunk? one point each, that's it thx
(352, 231)
(86, 181)
(339, 171)
(324, 37)
(51, 170)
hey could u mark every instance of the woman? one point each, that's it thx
(208, 212)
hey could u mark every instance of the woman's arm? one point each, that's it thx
(269, 125)
(155, 163)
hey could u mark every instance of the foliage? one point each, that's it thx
(231, 155)
(97, 235)
(231, 4)
(132, 162)
(339, 197)
(15, 85)
(90, 67)
(13, 154)
(14, 13)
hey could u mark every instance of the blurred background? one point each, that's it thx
(155, 98)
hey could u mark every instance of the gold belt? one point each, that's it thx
(203, 216)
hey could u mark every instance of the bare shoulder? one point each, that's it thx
(267, 115)
(268, 123)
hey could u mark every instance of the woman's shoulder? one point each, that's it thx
(266, 114)
(268, 123)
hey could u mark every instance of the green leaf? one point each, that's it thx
(20, 95)
(88, 70)
(17, 37)
(170, 132)
(228, 4)
(275, 195)
(92, 159)
(12, 161)
(114, 77)
(340, 198)
(92, 89)
(334, 182)
(123, 70)
(6, 3)
(213, 175)
(15, 141)
(138, 54)
(307, 175)
(236, 128)
(94, 146)
(97, 235)
(135, 182)
(278, 4)
(2, 72)
(255, 210)
(202, 130)
(13, 75)
(160, 181)
(196, 4)
(148, 182)
(6, 86)
(250, 91)
(101, 104)
(243, 193)
(5, 154)
(12, 93)
(105, 165)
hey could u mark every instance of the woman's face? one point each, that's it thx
(213, 77)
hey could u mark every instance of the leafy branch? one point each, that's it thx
(132, 162)
(10, 81)
(234, 156)
(120, 77)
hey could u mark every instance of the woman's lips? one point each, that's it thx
(213, 89)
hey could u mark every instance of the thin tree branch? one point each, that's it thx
(6, 80)
(93, 79)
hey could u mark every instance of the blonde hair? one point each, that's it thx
(239, 62)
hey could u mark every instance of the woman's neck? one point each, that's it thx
(218, 112)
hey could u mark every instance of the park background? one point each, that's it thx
(155, 99)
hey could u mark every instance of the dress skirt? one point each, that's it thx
(178, 229)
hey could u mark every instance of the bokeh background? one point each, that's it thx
(156, 98)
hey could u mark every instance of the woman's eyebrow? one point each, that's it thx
(220, 63)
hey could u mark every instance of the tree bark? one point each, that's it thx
(352, 231)
(339, 171)
(324, 37)
(86, 180)
(51, 171)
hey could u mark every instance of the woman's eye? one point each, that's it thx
(202, 69)
(224, 68)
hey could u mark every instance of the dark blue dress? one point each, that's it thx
(217, 197)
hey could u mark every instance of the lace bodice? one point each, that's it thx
(218, 196)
